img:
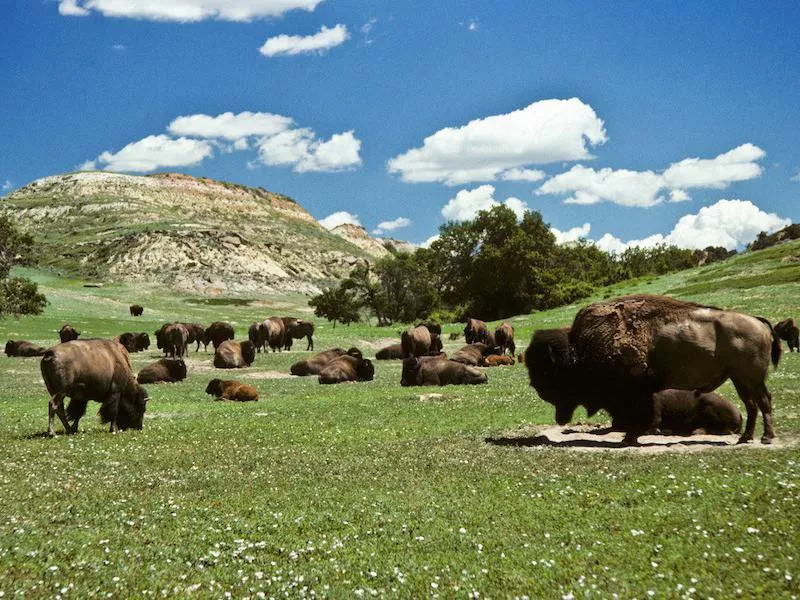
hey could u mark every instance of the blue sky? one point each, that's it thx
(623, 121)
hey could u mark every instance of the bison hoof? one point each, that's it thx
(766, 441)
(744, 440)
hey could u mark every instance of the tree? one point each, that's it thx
(336, 304)
(18, 296)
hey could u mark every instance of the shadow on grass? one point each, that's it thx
(543, 440)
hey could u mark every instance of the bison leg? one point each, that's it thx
(752, 414)
(310, 343)
(56, 406)
(765, 404)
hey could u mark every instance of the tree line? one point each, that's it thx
(18, 296)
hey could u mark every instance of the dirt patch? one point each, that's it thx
(598, 438)
(378, 344)
(267, 375)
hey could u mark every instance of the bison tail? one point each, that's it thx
(776, 342)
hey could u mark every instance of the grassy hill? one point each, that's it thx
(375, 490)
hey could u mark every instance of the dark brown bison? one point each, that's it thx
(141, 341)
(164, 370)
(687, 412)
(136, 310)
(67, 333)
(431, 326)
(504, 337)
(175, 340)
(234, 355)
(256, 336)
(197, 335)
(218, 332)
(297, 329)
(494, 360)
(475, 331)
(98, 370)
(273, 332)
(234, 391)
(128, 341)
(788, 331)
(392, 352)
(23, 349)
(419, 371)
(419, 342)
(315, 364)
(347, 368)
(473, 354)
(618, 353)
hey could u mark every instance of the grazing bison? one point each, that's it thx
(494, 360)
(218, 332)
(419, 342)
(67, 333)
(504, 337)
(273, 332)
(234, 391)
(254, 334)
(164, 370)
(347, 368)
(687, 412)
(234, 355)
(475, 331)
(788, 331)
(618, 353)
(473, 354)
(392, 352)
(136, 310)
(419, 371)
(98, 370)
(175, 340)
(197, 335)
(297, 329)
(23, 349)
(431, 326)
(316, 363)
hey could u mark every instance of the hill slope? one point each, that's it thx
(195, 235)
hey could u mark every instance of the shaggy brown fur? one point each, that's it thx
(347, 368)
(164, 370)
(425, 371)
(67, 333)
(23, 349)
(504, 337)
(273, 332)
(136, 310)
(197, 335)
(788, 331)
(316, 363)
(431, 326)
(234, 355)
(176, 339)
(218, 332)
(392, 352)
(233, 391)
(297, 329)
(473, 354)
(498, 361)
(475, 331)
(419, 341)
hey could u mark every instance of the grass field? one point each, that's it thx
(368, 490)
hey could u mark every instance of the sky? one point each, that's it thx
(622, 122)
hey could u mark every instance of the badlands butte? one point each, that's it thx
(185, 233)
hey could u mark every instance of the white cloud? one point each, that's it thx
(543, 132)
(154, 152)
(229, 126)
(319, 43)
(366, 30)
(571, 235)
(7, 185)
(584, 185)
(339, 218)
(300, 148)
(89, 165)
(738, 164)
(397, 223)
(186, 10)
(517, 174)
(427, 243)
(467, 204)
(119, 47)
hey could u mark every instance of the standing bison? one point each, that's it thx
(297, 329)
(98, 370)
(197, 335)
(67, 333)
(475, 331)
(218, 332)
(504, 337)
(618, 353)
(254, 334)
(419, 341)
(175, 340)
(136, 310)
(234, 355)
(788, 331)
(427, 371)
(273, 333)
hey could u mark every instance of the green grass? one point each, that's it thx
(366, 489)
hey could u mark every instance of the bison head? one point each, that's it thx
(11, 348)
(299, 368)
(214, 387)
(141, 341)
(410, 370)
(436, 344)
(248, 352)
(550, 368)
(354, 352)
(125, 410)
(177, 368)
(365, 370)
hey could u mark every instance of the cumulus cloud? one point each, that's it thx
(523, 175)
(397, 223)
(467, 204)
(154, 152)
(571, 235)
(543, 132)
(584, 185)
(185, 11)
(339, 218)
(229, 126)
(319, 43)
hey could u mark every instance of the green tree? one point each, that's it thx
(336, 304)
(18, 296)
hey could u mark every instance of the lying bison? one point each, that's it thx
(347, 368)
(23, 349)
(164, 370)
(419, 341)
(98, 370)
(504, 337)
(218, 332)
(475, 331)
(67, 333)
(392, 352)
(788, 331)
(136, 310)
(494, 360)
(426, 371)
(234, 355)
(618, 353)
(473, 354)
(297, 329)
(315, 364)
(232, 390)
(686, 412)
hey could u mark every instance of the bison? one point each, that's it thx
(273, 332)
(297, 329)
(788, 331)
(619, 353)
(494, 360)
(136, 310)
(419, 341)
(347, 368)
(197, 335)
(98, 370)
(473, 354)
(431, 326)
(164, 370)
(475, 331)
(141, 341)
(392, 352)
(175, 340)
(128, 340)
(23, 349)
(315, 364)
(419, 371)
(234, 355)
(234, 391)
(254, 334)
(504, 337)
(67, 333)
(218, 332)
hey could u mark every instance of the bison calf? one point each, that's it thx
(164, 370)
(23, 349)
(418, 371)
(498, 361)
(234, 355)
(232, 390)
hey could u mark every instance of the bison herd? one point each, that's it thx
(651, 362)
